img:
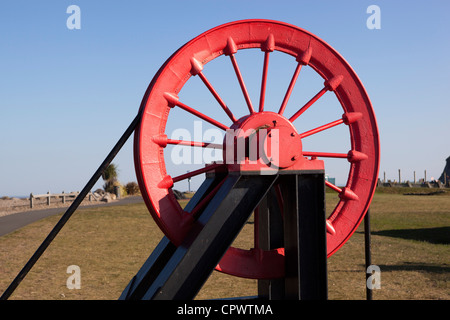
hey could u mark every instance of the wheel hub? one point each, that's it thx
(264, 140)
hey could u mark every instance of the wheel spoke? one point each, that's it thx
(329, 85)
(324, 154)
(218, 98)
(267, 47)
(290, 88)
(242, 84)
(197, 172)
(308, 104)
(351, 156)
(163, 141)
(173, 101)
(347, 118)
(333, 187)
(230, 50)
(344, 193)
(197, 68)
(264, 82)
(195, 144)
(303, 60)
(321, 128)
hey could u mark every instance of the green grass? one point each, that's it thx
(410, 244)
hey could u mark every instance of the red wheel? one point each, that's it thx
(191, 61)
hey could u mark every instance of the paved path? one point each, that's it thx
(18, 220)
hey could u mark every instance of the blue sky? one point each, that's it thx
(66, 96)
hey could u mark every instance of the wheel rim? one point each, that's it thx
(307, 50)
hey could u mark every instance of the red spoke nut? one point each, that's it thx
(333, 83)
(305, 57)
(197, 67)
(351, 117)
(269, 44)
(231, 47)
(160, 140)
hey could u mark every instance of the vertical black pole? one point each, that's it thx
(367, 251)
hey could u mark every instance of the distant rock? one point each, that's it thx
(179, 195)
(108, 197)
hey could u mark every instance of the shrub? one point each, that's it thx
(132, 188)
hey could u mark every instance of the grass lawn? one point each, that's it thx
(410, 244)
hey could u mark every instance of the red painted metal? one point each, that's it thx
(332, 186)
(268, 47)
(197, 172)
(290, 88)
(347, 118)
(194, 144)
(163, 141)
(321, 128)
(241, 83)
(325, 154)
(172, 99)
(329, 85)
(308, 104)
(308, 50)
(197, 68)
(230, 50)
(280, 135)
(303, 60)
(352, 155)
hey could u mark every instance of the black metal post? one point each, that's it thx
(269, 220)
(367, 244)
(305, 236)
(37, 254)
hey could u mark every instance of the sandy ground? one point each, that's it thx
(14, 205)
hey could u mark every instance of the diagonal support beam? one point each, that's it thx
(140, 283)
(69, 212)
(217, 226)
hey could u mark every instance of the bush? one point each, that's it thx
(132, 188)
(110, 184)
